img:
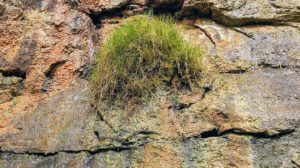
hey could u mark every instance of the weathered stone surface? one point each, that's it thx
(40, 54)
(10, 87)
(2, 8)
(259, 102)
(295, 159)
(79, 160)
(5, 96)
(190, 153)
(236, 49)
(101, 5)
(34, 41)
(243, 12)
(9, 81)
(65, 122)
(277, 152)
(245, 114)
(226, 151)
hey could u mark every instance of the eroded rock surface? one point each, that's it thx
(246, 112)
(243, 12)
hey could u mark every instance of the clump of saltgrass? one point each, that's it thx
(145, 53)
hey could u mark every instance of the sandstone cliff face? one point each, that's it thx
(246, 114)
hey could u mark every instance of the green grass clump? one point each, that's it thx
(140, 56)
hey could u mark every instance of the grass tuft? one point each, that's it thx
(140, 56)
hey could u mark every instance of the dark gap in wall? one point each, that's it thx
(97, 17)
(177, 106)
(14, 73)
(169, 11)
(206, 90)
(50, 74)
(263, 135)
(236, 71)
(210, 133)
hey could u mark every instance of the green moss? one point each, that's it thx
(145, 53)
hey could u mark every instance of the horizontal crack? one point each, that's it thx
(273, 66)
(235, 71)
(207, 134)
(126, 145)
(263, 135)
(14, 73)
(47, 154)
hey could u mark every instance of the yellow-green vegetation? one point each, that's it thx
(145, 53)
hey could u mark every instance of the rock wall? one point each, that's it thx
(246, 114)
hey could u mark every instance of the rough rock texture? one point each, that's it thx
(248, 46)
(246, 113)
(45, 47)
(99, 6)
(245, 12)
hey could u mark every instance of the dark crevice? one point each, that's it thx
(206, 90)
(206, 134)
(250, 22)
(267, 65)
(50, 74)
(98, 17)
(14, 73)
(17, 86)
(177, 106)
(210, 133)
(236, 71)
(49, 154)
(203, 10)
(247, 34)
(84, 72)
(100, 117)
(97, 134)
(245, 22)
(129, 145)
(175, 9)
(146, 133)
(103, 150)
(169, 9)
(206, 34)
(41, 154)
(261, 135)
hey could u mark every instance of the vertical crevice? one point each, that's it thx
(50, 74)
